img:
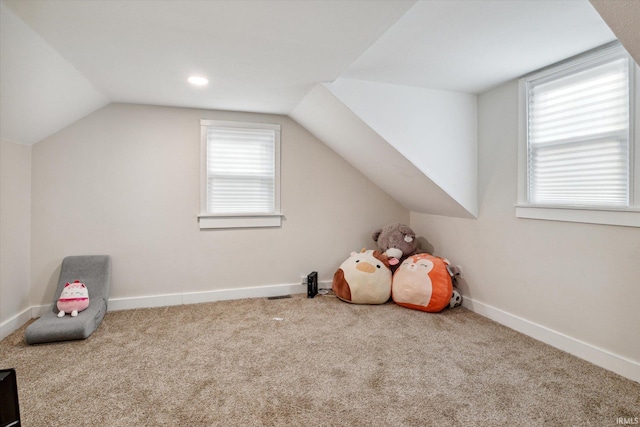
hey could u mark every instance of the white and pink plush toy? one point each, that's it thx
(73, 299)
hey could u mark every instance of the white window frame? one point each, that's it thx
(242, 220)
(627, 216)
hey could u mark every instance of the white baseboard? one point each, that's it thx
(201, 297)
(620, 365)
(8, 326)
(209, 296)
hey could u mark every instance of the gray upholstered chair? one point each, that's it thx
(95, 272)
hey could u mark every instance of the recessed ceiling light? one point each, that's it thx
(197, 80)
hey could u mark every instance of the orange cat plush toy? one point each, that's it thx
(423, 282)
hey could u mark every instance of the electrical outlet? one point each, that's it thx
(459, 267)
(303, 279)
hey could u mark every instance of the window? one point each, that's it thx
(240, 175)
(577, 140)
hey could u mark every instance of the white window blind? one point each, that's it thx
(241, 170)
(578, 133)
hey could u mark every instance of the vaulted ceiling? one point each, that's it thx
(60, 60)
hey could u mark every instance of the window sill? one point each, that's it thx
(620, 217)
(208, 221)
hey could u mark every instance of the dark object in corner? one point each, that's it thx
(9, 408)
(312, 284)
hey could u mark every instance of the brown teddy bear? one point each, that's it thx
(397, 241)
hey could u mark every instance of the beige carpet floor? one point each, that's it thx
(309, 362)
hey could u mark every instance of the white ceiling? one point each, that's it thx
(471, 46)
(62, 59)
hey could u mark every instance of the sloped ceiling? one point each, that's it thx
(40, 91)
(332, 121)
(69, 57)
(420, 145)
(260, 56)
(62, 59)
(471, 46)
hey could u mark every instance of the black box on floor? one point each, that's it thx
(312, 284)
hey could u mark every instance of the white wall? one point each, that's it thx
(579, 280)
(15, 235)
(125, 181)
(435, 129)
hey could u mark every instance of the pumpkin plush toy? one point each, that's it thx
(364, 278)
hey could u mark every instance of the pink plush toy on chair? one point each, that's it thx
(73, 299)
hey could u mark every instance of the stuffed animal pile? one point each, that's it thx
(398, 270)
